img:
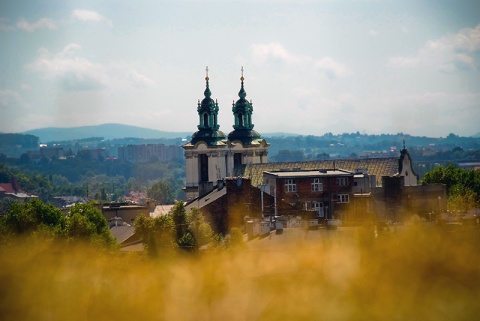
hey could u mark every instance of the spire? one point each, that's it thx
(207, 91)
(207, 110)
(242, 109)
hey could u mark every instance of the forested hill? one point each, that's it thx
(107, 131)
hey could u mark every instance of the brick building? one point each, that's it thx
(326, 193)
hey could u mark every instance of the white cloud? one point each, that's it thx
(327, 65)
(262, 52)
(44, 23)
(89, 16)
(450, 53)
(373, 33)
(332, 69)
(75, 73)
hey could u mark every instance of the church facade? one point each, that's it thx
(210, 155)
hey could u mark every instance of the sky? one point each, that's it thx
(310, 67)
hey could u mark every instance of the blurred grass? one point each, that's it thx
(416, 273)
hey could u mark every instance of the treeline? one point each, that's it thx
(463, 185)
(355, 144)
(35, 220)
(109, 180)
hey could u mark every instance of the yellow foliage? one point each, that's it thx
(410, 273)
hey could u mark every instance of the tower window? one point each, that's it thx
(203, 166)
(205, 120)
(237, 159)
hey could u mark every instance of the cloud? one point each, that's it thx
(44, 23)
(450, 53)
(274, 51)
(373, 33)
(75, 73)
(332, 69)
(89, 16)
(10, 99)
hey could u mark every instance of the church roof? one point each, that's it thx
(211, 138)
(374, 166)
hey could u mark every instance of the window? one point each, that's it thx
(342, 181)
(290, 185)
(343, 198)
(317, 185)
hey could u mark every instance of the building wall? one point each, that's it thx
(303, 198)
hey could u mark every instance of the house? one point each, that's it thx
(13, 191)
(125, 212)
(233, 202)
(326, 193)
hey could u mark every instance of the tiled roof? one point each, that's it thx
(7, 187)
(374, 166)
(122, 233)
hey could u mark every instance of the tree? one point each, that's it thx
(32, 217)
(85, 221)
(157, 234)
(463, 185)
(161, 192)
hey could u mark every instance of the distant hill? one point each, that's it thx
(107, 131)
(477, 135)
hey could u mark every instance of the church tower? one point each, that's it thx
(210, 157)
(206, 153)
(245, 144)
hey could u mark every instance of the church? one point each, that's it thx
(226, 176)
(210, 155)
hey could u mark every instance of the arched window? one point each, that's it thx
(205, 120)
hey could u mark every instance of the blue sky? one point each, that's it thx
(311, 67)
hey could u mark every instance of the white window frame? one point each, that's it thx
(317, 185)
(343, 198)
(342, 181)
(290, 185)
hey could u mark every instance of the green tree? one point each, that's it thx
(85, 221)
(463, 185)
(157, 234)
(161, 192)
(32, 217)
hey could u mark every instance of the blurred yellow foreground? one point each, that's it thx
(410, 273)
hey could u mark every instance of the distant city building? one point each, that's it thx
(145, 153)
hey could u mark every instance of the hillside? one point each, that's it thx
(107, 131)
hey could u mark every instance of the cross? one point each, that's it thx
(242, 71)
(206, 70)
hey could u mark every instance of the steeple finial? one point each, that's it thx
(206, 72)
(241, 78)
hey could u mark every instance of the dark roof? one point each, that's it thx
(374, 166)
(122, 233)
